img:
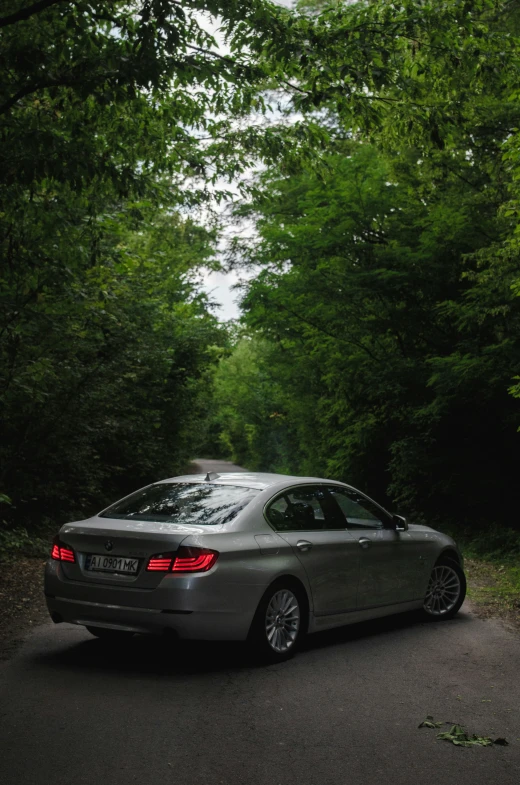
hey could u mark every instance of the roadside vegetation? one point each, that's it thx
(380, 338)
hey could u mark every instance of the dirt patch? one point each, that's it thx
(494, 590)
(22, 603)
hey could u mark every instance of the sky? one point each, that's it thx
(218, 286)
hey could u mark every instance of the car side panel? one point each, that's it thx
(431, 545)
(389, 567)
(319, 623)
(331, 564)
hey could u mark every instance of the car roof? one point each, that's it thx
(259, 480)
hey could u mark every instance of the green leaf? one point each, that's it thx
(429, 723)
(460, 738)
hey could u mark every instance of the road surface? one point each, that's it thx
(344, 711)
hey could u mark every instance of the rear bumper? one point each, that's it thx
(196, 608)
(189, 625)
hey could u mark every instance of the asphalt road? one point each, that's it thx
(344, 711)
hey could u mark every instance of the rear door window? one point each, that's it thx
(305, 508)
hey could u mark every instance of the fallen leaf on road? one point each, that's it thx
(429, 723)
(461, 738)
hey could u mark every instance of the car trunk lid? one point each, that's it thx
(124, 548)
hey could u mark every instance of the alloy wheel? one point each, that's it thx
(282, 620)
(443, 590)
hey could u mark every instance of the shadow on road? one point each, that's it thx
(150, 655)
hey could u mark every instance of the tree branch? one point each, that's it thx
(237, 64)
(27, 90)
(70, 80)
(27, 12)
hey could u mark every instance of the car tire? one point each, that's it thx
(446, 591)
(104, 633)
(280, 622)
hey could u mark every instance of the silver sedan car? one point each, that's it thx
(260, 557)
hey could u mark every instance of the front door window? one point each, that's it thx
(359, 512)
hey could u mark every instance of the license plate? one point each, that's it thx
(122, 564)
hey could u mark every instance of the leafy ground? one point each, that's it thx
(22, 604)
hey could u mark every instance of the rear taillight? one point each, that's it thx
(62, 552)
(160, 563)
(194, 560)
(185, 560)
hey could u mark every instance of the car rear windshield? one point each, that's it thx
(186, 503)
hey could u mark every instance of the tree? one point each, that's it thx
(395, 355)
(107, 370)
(390, 276)
(105, 110)
(250, 405)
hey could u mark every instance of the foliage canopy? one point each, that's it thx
(381, 332)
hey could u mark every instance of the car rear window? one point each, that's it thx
(186, 503)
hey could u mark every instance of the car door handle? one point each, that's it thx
(364, 542)
(304, 545)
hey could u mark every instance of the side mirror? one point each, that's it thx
(401, 524)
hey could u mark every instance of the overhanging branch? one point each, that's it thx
(27, 12)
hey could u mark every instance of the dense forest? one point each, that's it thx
(371, 150)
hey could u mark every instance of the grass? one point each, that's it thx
(492, 564)
(494, 588)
